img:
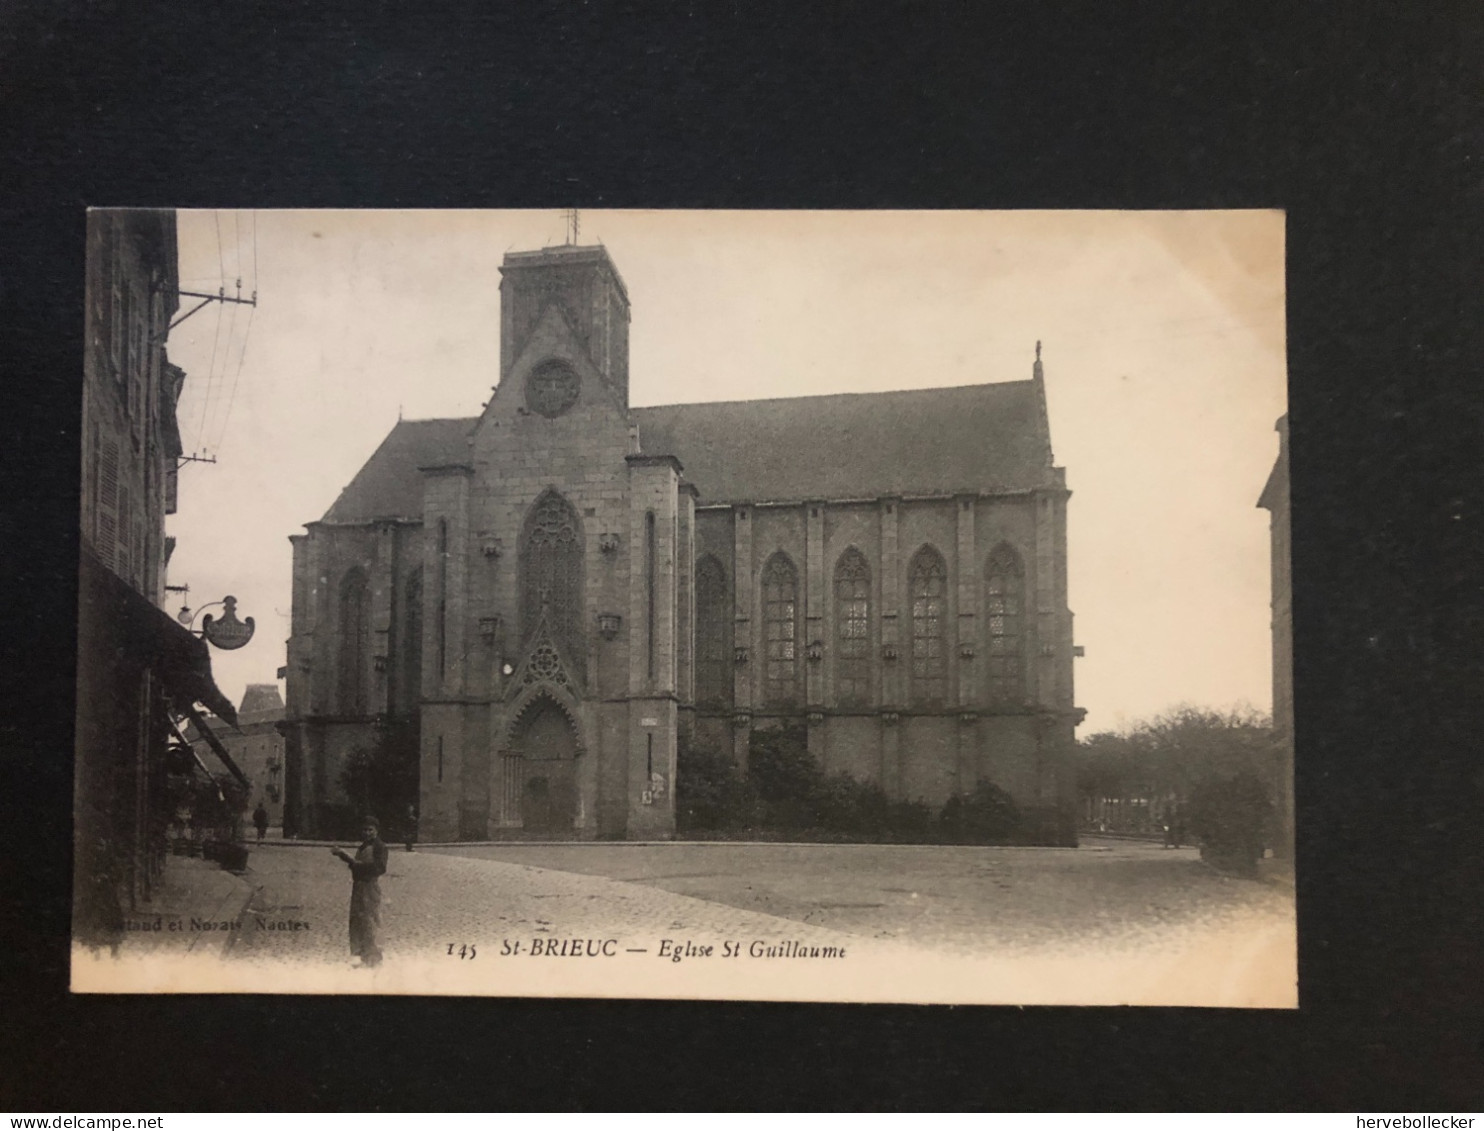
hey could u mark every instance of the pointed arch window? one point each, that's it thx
(929, 587)
(551, 573)
(355, 641)
(412, 642)
(853, 629)
(713, 634)
(1004, 609)
(781, 630)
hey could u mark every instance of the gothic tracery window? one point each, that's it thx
(355, 640)
(853, 628)
(552, 388)
(929, 582)
(1004, 599)
(781, 629)
(713, 634)
(551, 573)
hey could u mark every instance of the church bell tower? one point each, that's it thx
(585, 287)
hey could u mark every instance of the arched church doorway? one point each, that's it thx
(547, 746)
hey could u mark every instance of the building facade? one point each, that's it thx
(1275, 500)
(565, 592)
(138, 669)
(255, 746)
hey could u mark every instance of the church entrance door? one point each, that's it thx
(548, 750)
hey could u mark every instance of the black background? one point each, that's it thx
(1360, 120)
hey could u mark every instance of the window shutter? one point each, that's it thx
(141, 561)
(124, 534)
(139, 325)
(106, 539)
(91, 476)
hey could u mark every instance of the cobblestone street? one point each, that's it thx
(431, 899)
(1114, 922)
(1110, 893)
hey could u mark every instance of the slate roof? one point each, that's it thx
(855, 445)
(260, 697)
(844, 446)
(389, 485)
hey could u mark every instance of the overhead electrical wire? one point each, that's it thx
(219, 380)
(208, 383)
(226, 418)
(232, 394)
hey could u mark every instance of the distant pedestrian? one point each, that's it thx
(410, 826)
(367, 866)
(260, 820)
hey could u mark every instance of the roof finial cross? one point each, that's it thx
(1038, 349)
(574, 224)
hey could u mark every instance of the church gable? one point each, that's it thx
(551, 378)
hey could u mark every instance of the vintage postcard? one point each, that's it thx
(681, 605)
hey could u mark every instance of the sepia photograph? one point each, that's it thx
(781, 606)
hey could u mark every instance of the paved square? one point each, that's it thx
(1109, 893)
(1110, 923)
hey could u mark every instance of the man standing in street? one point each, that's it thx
(367, 867)
(260, 820)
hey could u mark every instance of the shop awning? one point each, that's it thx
(212, 741)
(179, 658)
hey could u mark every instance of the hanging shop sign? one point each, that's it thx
(226, 631)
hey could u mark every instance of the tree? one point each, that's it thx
(1167, 757)
(382, 780)
(709, 792)
(987, 815)
(786, 777)
(1228, 814)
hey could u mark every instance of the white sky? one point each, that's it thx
(1163, 345)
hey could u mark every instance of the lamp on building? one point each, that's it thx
(608, 543)
(187, 616)
(379, 662)
(889, 652)
(608, 625)
(816, 718)
(489, 628)
(489, 546)
(966, 650)
(739, 654)
(815, 651)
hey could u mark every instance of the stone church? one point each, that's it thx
(557, 599)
